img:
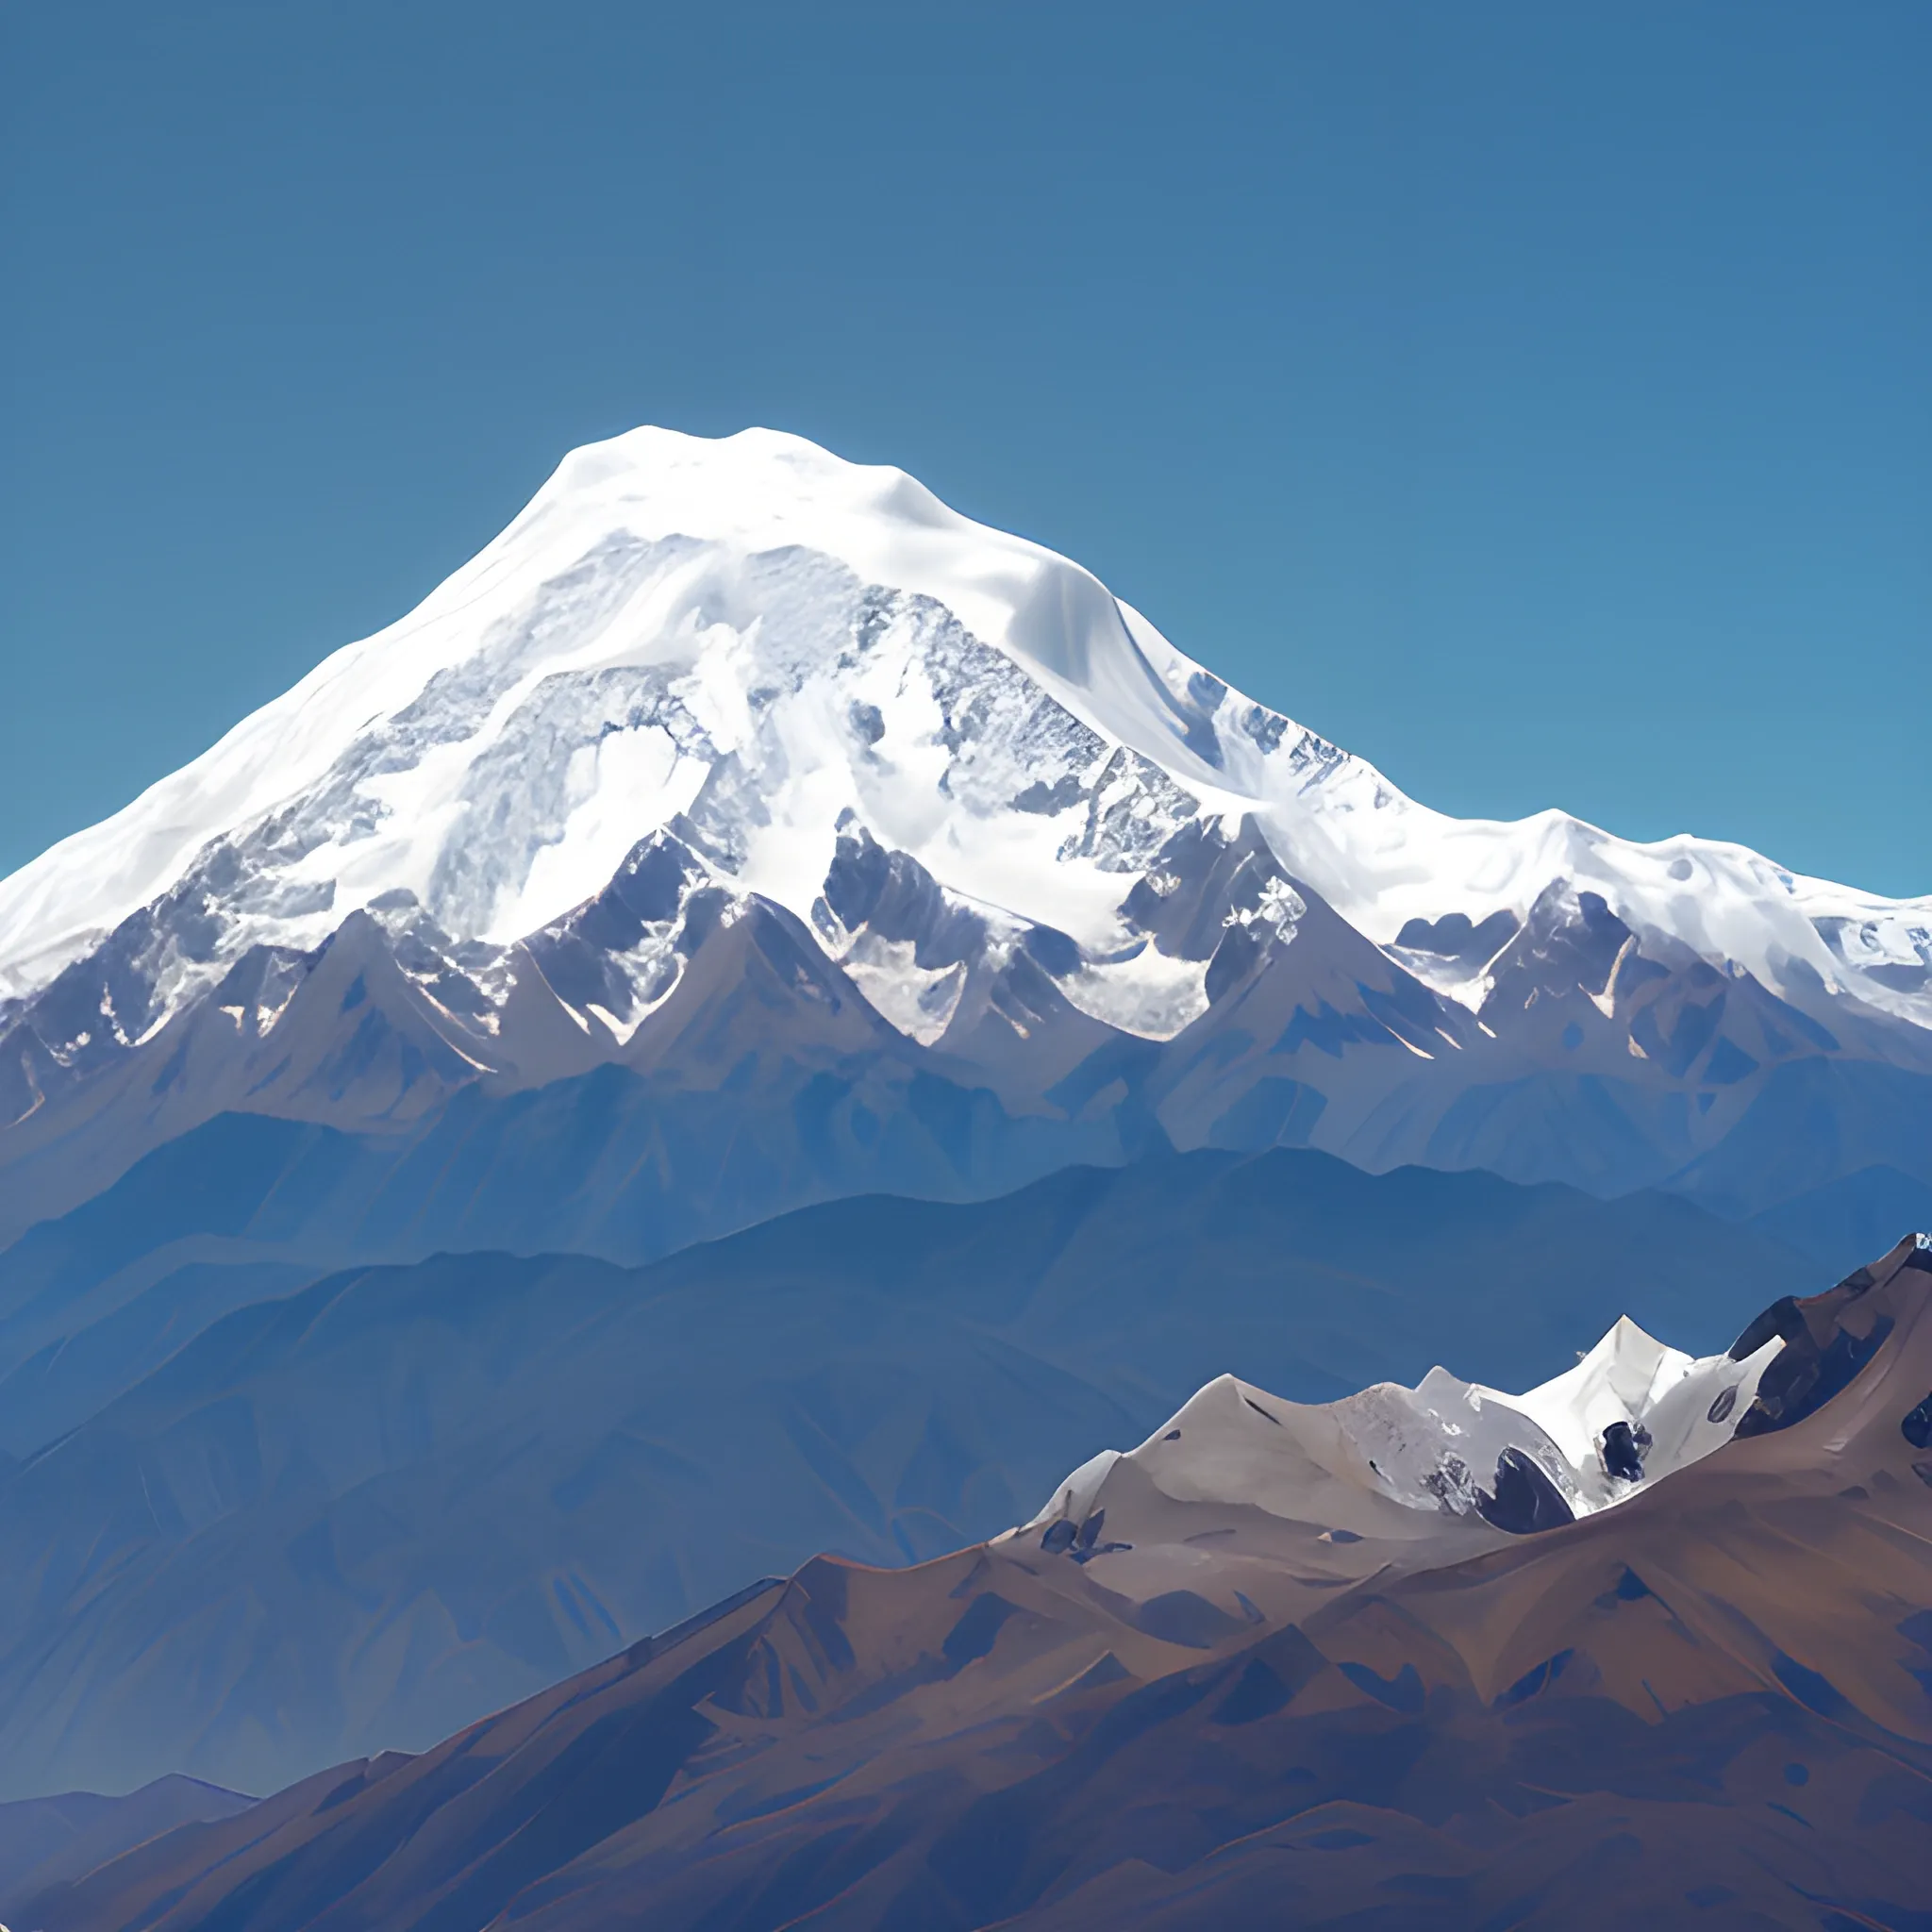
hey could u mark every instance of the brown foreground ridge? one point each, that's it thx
(1708, 1705)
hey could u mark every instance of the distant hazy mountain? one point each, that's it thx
(45, 1841)
(361, 1515)
(881, 848)
(1250, 1674)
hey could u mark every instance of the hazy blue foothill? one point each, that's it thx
(248, 1206)
(355, 1517)
(45, 1840)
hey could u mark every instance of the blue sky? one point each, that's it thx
(1535, 399)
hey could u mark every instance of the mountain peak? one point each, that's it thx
(499, 750)
(1032, 834)
(674, 619)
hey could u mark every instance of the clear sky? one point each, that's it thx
(1535, 398)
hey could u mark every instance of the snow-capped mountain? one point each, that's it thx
(712, 709)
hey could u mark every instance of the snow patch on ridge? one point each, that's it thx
(1630, 1412)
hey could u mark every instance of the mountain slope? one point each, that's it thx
(358, 1516)
(1711, 1698)
(45, 1841)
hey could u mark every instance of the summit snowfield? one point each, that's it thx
(734, 742)
(798, 634)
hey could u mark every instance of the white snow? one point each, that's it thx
(670, 628)
(1631, 1377)
(920, 1001)
(1151, 993)
(1400, 1463)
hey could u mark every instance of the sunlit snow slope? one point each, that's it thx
(670, 607)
